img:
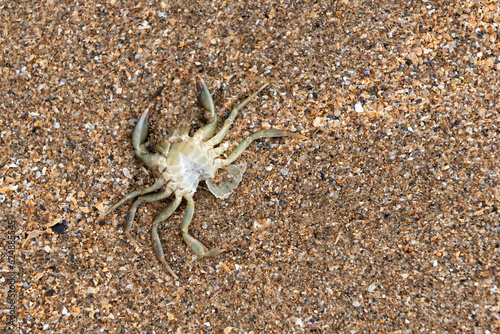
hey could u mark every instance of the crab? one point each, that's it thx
(181, 162)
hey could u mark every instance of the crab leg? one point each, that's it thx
(139, 137)
(129, 220)
(205, 101)
(229, 121)
(269, 133)
(136, 193)
(192, 242)
(163, 215)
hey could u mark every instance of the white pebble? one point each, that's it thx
(358, 107)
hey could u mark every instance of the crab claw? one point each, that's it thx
(142, 127)
(204, 98)
(139, 138)
(141, 131)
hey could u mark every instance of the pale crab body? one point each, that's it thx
(188, 163)
(181, 162)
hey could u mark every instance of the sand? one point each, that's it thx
(385, 220)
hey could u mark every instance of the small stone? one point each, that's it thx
(59, 228)
(283, 172)
(318, 121)
(358, 108)
(84, 209)
(126, 172)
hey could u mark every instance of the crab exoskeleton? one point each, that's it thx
(181, 162)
